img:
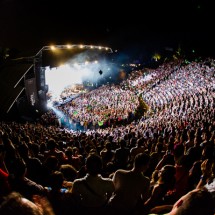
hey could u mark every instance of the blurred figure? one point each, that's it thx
(16, 204)
(197, 201)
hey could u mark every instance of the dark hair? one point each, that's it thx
(94, 164)
(51, 144)
(57, 179)
(2, 148)
(141, 159)
(69, 172)
(19, 168)
(167, 175)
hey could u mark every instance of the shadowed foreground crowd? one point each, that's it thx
(163, 163)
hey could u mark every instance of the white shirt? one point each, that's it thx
(211, 187)
(102, 190)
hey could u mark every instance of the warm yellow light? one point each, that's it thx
(81, 46)
(69, 46)
(156, 56)
(52, 47)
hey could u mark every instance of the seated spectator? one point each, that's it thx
(131, 187)
(20, 183)
(59, 196)
(93, 190)
(34, 165)
(122, 155)
(50, 165)
(77, 158)
(138, 148)
(194, 175)
(53, 150)
(69, 172)
(182, 177)
(207, 180)
(107, 154)
(155, 157)
(165, 183)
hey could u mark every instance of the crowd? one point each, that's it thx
(162, 162)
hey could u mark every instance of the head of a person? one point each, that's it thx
(122, 143)
(51, 163)
(141, 161)
(51, 144)
(140, 142)
(167, 175)
(198, 202)
(93, 164)
(69, 172)
(57, 179)
(23, 150)
(69, 151)
(19, 168)
(178, 150)
(108, 146)
(15, 204)
(159, 147)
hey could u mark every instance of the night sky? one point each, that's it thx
(29, 25)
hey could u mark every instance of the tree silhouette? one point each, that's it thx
(142, 108)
